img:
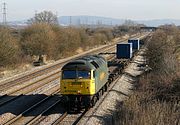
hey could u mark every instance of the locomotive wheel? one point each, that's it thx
(100, 93)
(105, 87)
(94, 100)
(103, 90)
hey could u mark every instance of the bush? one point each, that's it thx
(106, 32)
(9, 48)
(156, 100)
(48, 39)
(38, 39)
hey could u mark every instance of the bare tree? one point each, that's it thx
(129, 23)
(44, 17)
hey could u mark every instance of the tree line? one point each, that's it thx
(43, 36)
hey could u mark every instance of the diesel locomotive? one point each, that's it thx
(84, 80)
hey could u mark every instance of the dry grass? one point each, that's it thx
(151, 105)
(156, 100)
(137, 111)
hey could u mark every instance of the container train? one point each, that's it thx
(84, 80)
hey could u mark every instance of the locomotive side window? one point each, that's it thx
(94, 74)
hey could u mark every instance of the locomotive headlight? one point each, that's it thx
(79, 92)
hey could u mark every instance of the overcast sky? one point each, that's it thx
(121, 9)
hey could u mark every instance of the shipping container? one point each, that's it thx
(135, 43)
(124, 51)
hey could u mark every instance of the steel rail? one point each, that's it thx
(30, 108)
(33, 88)
(60, 119)
(40, 115)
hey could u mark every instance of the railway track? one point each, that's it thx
(39, 108)
(70, 119)
(6, 98)
(42, 101)
(43, 117)
(32, 82)
(21, 80)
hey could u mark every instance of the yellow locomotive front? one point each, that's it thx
(77, 82)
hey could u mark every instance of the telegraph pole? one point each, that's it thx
(4, 13)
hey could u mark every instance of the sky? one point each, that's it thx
(120, 9)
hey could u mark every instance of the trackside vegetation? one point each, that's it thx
(156, 99)
(19, 46)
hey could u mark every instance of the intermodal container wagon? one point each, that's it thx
(124, 51)
(135, 43)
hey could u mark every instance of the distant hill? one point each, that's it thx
(95, 20)
(89, 20)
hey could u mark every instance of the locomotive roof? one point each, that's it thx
(85, 63)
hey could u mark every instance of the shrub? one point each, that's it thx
(156, 99)
(37, 39)
(9, 48)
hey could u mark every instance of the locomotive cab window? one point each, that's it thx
(84, 74)
(76, 74)
(67, 74)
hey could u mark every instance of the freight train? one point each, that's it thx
(84, 80)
